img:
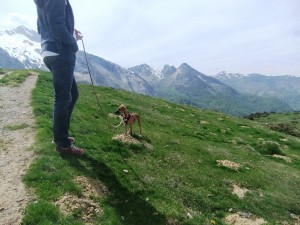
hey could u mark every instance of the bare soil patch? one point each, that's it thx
(16, 150)
(126, 139)
(241, 218)
(228, 164)
(85, 207)
(239, 191)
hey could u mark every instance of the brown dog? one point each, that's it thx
(129, 119)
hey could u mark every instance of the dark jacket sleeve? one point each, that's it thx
(56, 12)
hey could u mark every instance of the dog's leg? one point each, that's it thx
(130, 127)
(139, 123)
(125, 127)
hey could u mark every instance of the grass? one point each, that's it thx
(178, 176)
(14, 127)
(287, 123)
(15, 78)
(2, 71)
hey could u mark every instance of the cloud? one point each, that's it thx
(16, 19)
(13, 20)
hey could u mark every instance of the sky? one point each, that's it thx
(237, 36)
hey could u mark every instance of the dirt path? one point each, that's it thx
(15, 149)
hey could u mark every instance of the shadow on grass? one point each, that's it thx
(131, 206)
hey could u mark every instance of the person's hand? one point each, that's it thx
(78, 35)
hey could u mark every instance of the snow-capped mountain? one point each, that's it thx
(192, 81)
(20, 48)
(224, 75)
(146, 72)
(22, 45)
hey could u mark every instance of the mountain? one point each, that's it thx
(109, 74)
(186, 85)
(188, 80)
(20, 48)
(285, 88)
(6, 61)
(151, 75)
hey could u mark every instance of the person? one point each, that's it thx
(55, 24)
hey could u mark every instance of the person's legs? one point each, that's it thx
(75, 96)
(63, 79)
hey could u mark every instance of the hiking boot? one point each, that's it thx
(71, 150)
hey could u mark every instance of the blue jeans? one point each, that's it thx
(65, 96)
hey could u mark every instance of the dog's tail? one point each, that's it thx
(139, 123)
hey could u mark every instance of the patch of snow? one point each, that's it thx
(201, 78)
(224, 74)
(157, 73)
(21, 47)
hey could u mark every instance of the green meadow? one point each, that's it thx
(170, 175)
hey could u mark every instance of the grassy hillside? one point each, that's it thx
(237, 105)
(170, 176)
(288, 123)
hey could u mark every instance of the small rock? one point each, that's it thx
(84, 218)
(245, 215)
(97, 210)
(284, 140)
(20, 200)
(91, 209)
(189, 216)
(294, 216)
(125, 171)
(204, 122)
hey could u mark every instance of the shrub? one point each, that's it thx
(286, 128)
(252, 116)
(269, 148)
